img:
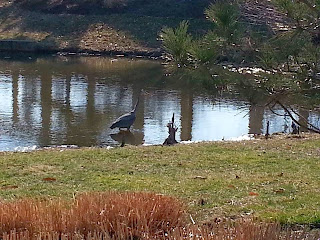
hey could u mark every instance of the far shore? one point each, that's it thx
(96, 34)
(24, 46)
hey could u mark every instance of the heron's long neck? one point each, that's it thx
(135, 107)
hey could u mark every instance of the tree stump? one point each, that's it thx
(172, 129)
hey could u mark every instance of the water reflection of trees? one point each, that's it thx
(15, 105)
(221, 80)
(186, 114)
(46, 106)
(43, 93)
(80, 124)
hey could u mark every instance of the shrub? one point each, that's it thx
(177, 42)
(206, 49)
(225, 17)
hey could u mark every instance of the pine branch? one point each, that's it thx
(310, 6)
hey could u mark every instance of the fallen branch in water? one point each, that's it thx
(289, 110)
(308, 126)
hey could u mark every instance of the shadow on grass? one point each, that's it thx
(134, 30)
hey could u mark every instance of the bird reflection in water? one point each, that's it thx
(127, 137)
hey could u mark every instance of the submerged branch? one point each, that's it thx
(309, 126)
(306, 120)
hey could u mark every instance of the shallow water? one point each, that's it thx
(61, 100)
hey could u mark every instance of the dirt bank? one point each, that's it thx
(55, 26)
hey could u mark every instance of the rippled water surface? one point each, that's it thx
(74, 100)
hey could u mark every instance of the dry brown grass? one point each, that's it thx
(96, 216)
(116, 215)
(241, 229)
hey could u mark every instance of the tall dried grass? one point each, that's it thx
(241, 229)
(116, 215)
(103, 216)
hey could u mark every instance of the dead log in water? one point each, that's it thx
(172, 129)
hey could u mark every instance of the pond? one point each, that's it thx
(59, 100)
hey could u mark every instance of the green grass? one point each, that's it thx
(277, 179)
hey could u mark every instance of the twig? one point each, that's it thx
(275, 113)
(191, 218)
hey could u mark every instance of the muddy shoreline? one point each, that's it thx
(23, 46)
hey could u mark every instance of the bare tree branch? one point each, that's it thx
(275, 113)
(312, 129)
(306, 120)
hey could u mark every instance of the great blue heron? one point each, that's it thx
(126, 120)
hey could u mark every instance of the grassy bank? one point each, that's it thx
(277, 179)
(109, 32)
(129, 28)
